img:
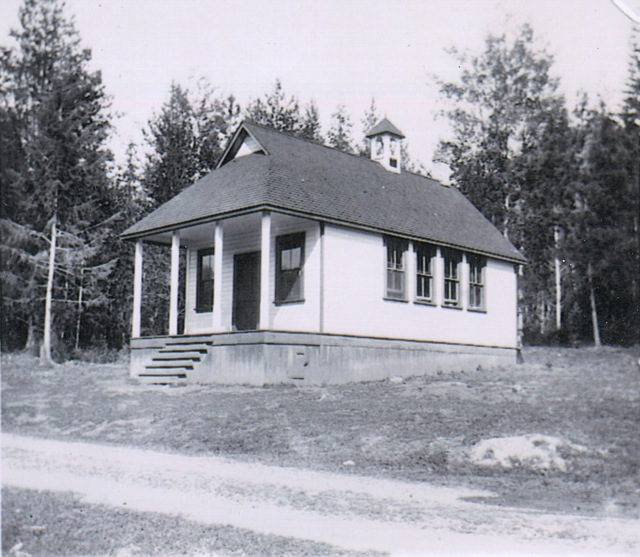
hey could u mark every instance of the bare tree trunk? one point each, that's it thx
(594, 311)
(558, 277)
(45, 349)
(79, 317)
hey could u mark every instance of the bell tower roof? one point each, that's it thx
(385, 126)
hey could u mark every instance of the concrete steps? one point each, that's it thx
(172, 362)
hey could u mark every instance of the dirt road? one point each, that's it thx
(344, 510)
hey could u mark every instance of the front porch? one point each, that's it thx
(257, 271)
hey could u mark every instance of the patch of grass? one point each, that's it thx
(51, 524)
(418, 429)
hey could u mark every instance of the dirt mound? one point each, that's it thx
(535, 451)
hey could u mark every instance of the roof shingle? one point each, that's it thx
(305, 178)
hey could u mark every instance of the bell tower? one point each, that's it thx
(385, 145)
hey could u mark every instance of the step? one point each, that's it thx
(188, 342)
(170, 365)
(201, 348)
(162, 379)
(180, 355)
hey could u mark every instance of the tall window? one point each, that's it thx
(452, 260)
(396, 249)
(424, 272)
(289, 265)
(477, 265)
(204, 287)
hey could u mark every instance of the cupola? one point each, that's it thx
(385, 145)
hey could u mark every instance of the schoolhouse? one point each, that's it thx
(308, 265)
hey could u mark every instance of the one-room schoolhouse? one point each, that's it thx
(308, 265)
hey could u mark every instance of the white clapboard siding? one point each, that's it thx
(355, 275)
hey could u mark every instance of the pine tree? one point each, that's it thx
(369, 120)
(310, 125)
(339, 134)
(275, 111)
(56, 181)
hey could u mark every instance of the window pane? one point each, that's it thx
(207, 267)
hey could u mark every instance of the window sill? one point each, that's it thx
(401, 300)
(459, 308)
(288, 302)
(203, 310)
(477, 310)
(425, 303)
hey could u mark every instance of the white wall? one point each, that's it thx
(354, 288)
(354, 298)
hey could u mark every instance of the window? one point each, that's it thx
(289, 264)
(396, 249)
(424, 272)
(477, 264)
(451, 278)
(204, 288)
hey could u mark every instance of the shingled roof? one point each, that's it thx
(306, 179)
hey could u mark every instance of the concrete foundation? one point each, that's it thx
(266, 357)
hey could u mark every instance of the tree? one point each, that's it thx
(369, 120)
(186, 139)
(512, 155)
(499, 102)
(339, 134)
(310, 125)
(275, 111)
(56, 180)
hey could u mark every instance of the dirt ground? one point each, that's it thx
(556, 435)
(346, 512)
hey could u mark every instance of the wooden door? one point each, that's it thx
(246, 291)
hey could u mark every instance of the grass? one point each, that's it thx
(420, 429)
(43, 523)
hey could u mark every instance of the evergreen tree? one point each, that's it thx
(310, 125)
(55, 185)
(275, 111)
(369, 120)
(339, 134)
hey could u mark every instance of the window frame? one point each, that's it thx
(204, 306)
(395, 267)
(422, 251)
(284, 276)
(477, 282)
(451, 280)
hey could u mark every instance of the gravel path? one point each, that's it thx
(347, 511)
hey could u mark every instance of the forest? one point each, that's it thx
(562, 183)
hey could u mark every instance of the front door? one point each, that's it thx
(246, 291)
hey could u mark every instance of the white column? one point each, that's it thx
(175, 277)
(410, 283)
(217, 277)
(265, 260)
(137, 291)
(321, 270)
(438, 278)
(464, 281)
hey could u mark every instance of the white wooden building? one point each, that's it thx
(309, 265)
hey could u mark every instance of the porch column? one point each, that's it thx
(218, 247)
(175, 277)
(265, 260)
(137, 291)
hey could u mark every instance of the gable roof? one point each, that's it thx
(302, 178)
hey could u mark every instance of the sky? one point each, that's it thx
(335, 52)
